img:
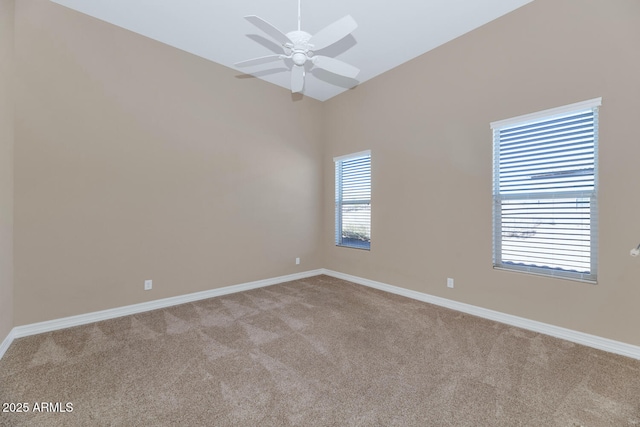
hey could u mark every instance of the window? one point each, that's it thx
(545, 181)
(353, 200)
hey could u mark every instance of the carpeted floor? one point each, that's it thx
(319, 351)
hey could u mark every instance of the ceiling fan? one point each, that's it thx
(299, 46)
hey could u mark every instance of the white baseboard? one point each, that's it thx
(7, 342)
(600, 343)
(82, 319)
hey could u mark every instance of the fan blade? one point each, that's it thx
(297, 78)
(333, 33)
(269, 29)
(258, 61)
(335, 66)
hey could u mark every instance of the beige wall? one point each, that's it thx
(6, 167)
(135, 161)
(427, 124)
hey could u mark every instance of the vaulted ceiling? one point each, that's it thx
(389, 33)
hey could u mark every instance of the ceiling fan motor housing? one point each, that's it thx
(301, 47)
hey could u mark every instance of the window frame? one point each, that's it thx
(552, 196)
(339, 202)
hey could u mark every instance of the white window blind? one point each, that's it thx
(545, 192)
(353, 200)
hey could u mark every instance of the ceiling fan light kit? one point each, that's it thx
(299, 46)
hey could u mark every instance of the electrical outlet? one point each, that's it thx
(449, 282)
(297, 261)
(148, 285)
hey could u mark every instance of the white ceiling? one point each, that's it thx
(389, 33)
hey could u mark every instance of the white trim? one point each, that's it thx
(96, 316)
(7, 342)
(352, 156)
(600, 343)
(558, 111)
(547, 275)
(604, 344)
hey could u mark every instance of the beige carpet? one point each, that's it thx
(318, 351)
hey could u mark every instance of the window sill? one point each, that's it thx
(362, 248)
(549, 276)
